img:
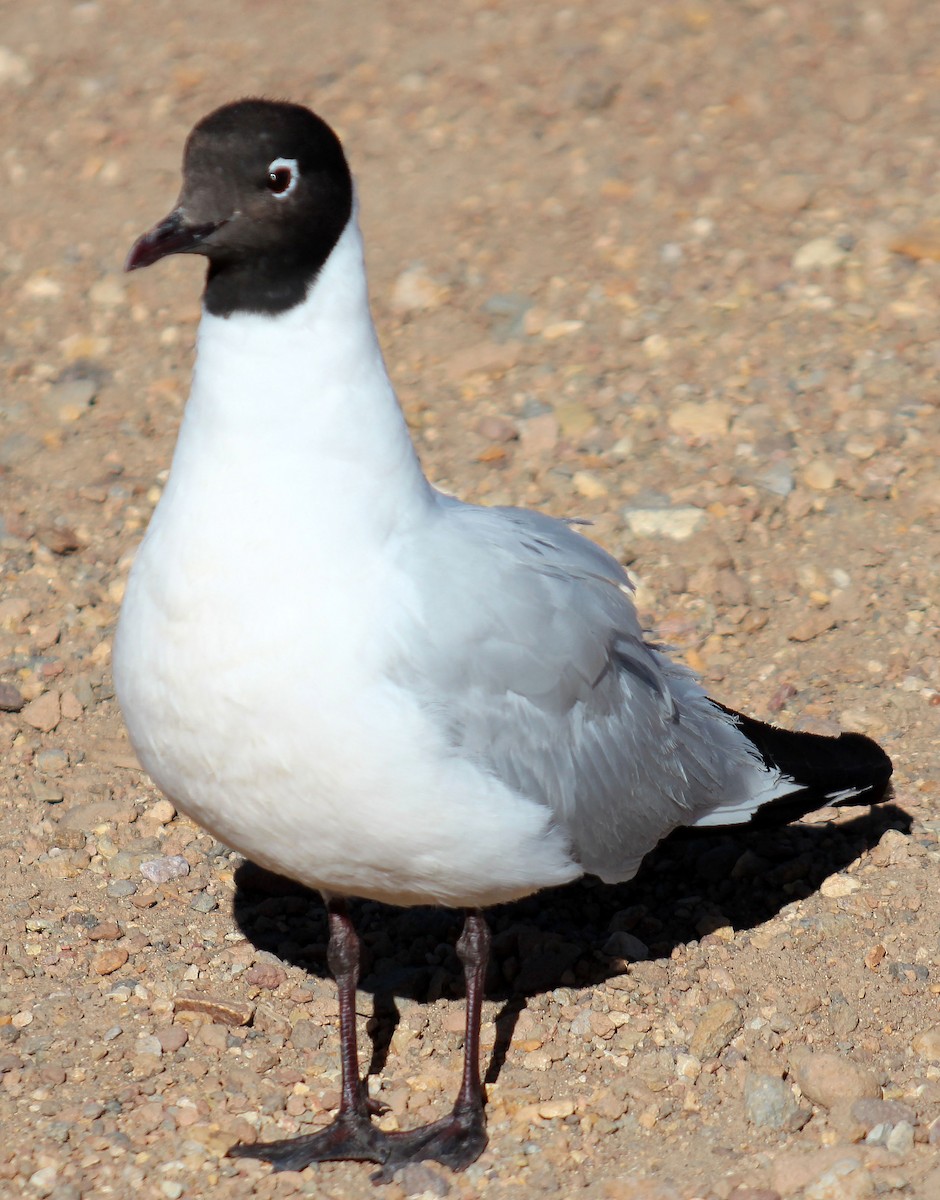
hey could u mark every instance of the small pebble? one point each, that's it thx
(846, 1179)
(819, 254)
(162, 870)
(553, 1110)
(820, 475)
(43, 713)
(162, 812)
(109, 961)
(575, 420)
(844, 1018)
(52, 761)
(222, 1012)
(813, 626)
(900, 1139)
(172, 1037)
(710, 419)
(119, 888)
(777, 478)
(769, 1103)
(15, 72)
(420, 1179)
(47, 793)
(125, 864)
(69, 398)
(107, 293)
(148, 1044)
(265, 975)
(589, 485)
(415, 290)
(678, 523)
(826, 1078)
(538, 435)
(783, 195)
(44, 1180)
(13, 612)
(71, 706)
(715, 1029)
(105, 931)
(11, 698)
(927, 1044)
(838, 886)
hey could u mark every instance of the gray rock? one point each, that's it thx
(900, 1139)
(148, 1043)
(124, 865)
(626, 946)
(777, 479)
(11, 698)
(46, 793)
(308, 1035)
(844, 1018)
(581, 1024)
(51, 761)
(769, 1103)
(507, 312)
(117, 889)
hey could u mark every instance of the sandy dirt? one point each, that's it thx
(669, 267)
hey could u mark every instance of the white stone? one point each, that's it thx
(14, 69)
(837, 886)
(677, 523)
(819, 254)
(710, 419)
(44, 1180)
(415, 290)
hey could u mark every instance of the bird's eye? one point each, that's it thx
(282, 176)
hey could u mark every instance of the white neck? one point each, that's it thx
(296, 411)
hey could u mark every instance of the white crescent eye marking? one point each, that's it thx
(283, 174)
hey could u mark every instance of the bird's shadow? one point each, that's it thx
(693, 881)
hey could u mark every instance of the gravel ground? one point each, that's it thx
(670, 267)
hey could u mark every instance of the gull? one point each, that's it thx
(369, 686)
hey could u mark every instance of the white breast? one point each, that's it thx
(253, 656)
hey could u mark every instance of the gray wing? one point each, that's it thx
(531, 654)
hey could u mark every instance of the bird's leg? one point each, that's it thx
(351, 1135)
(458, 1139)
(473, 950)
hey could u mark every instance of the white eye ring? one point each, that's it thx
(283, 174)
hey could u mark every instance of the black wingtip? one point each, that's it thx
(850, 769)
